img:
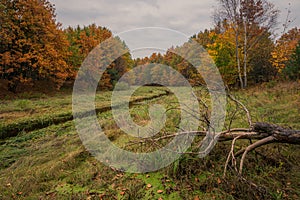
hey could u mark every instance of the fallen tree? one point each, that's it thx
(259, 134)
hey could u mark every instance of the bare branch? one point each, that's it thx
(244, 108)
(231, 154)
(254, 146)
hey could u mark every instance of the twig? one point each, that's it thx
(244, 108)
(231, 154)
(252, 147)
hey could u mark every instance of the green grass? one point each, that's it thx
(33, 113)
(32, 106)
(51, 163)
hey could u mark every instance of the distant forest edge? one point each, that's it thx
(35, 47)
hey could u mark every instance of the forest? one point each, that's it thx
(257, 154)
(34, 46)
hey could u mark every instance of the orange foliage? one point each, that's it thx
(285, 47)
(33, 47)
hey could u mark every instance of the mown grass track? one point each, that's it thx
(34, 123)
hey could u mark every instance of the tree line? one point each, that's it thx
(34, 46)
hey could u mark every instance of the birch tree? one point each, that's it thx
(251, 20)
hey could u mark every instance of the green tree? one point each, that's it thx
(292, 69)
(259, 61)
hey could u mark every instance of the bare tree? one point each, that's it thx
(229, 11)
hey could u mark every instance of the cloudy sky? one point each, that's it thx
(185, 16)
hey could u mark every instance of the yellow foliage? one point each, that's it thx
(285, 47)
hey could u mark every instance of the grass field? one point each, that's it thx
(52, 163)
(33, 111)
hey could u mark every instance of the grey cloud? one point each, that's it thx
(120, 15)
(187, 16)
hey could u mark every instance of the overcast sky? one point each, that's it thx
(185, 16)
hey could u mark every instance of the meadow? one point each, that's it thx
(42, 156)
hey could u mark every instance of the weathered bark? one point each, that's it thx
(266, 134)
(280, 134)
(259, 131)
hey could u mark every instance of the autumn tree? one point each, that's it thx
(250, 21)
(32, 45)
(222, 50)
(84, 39)
(118, 67)
(284, 48)
(229, 13)
(206, 37)
(259, 20)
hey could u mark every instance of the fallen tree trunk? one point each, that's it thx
(262, 133)
(274, 134)
(279, 133)
(259, 131)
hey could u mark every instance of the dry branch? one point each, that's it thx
(244, 108)
(263, 133)
(266, 133)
